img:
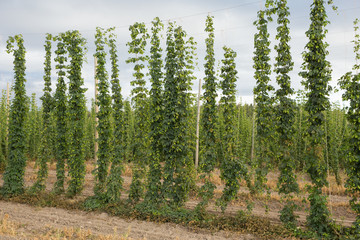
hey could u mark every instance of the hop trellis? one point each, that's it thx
(152, 131)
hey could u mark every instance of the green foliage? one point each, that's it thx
(178, 167)
(3, 130)
(350, 82)
(243, 131)
(47, 105)
(300, 127)
(232, 167)
(316, 72)
(89, 132)
(15, 169)
(104, 152)
(139, 93)
(264, 102)
(60, 110)
(47, 100)
(153, 194)
(115, 180)
(128, 131)
(208, 119)
(76, 111)
(285, 112)
(33, 126)
(337, 133)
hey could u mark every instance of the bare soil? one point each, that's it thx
(34, 221)
(39, 220)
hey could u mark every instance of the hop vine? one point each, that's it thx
(154, 194)
(232, 167)
(317, 75)
(178, 167)
(104, 127)
(263, 100)
(60, 102)
(285, 110)
(350, 82)
(208, 119)
(47, 103)
(15, 169)
(115, 180)
(139, 93)
(76, 112)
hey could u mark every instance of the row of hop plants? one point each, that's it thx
(152, 132)
(336, 123)
(325, 131)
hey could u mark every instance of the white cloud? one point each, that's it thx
(233, 27)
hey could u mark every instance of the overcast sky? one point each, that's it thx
(233, 28)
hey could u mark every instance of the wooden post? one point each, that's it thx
(198, 128)
(96, 146)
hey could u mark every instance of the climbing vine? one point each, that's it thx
(178, 67)
(263, 100)
(232, 167)
(208, 119)
(317, 74)
(153, 193)
(115, 180)
(350, 82)
(60, 102)
(139, 93)
(47, 104)
(285, 110)
(76, 111)
(104, 126)
(15, 169)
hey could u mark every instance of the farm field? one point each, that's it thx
(31, 221)
(160, 161)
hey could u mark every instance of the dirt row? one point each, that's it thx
(34, 220)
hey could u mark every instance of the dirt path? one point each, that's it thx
(33, 221)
